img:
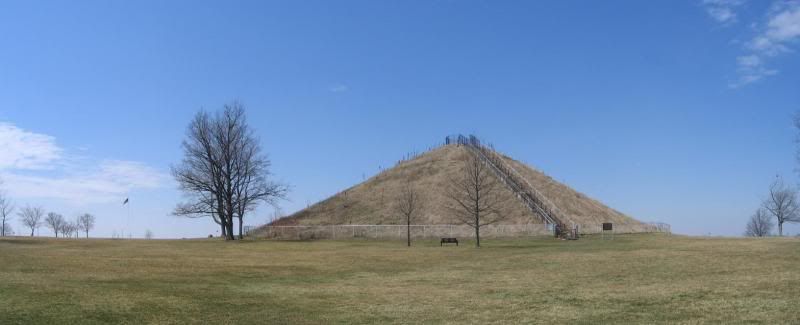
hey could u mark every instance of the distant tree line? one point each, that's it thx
(32, 218)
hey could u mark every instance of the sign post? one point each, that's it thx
(608, 227)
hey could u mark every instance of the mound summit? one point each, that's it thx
(532, 194)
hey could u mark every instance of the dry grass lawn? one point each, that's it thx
(631, 279)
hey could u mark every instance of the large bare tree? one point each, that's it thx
(409, 205)
(55, 222)
(6, 208)
(31, 217)
(202, 205)
(782, 204)
(85, 223)
(223, 174)
(759, 225)
(475, 196)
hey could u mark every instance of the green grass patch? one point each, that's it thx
(630, 279)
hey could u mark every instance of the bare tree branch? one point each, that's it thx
(759, 224)
(475, 196)
(31, 217)
(223, 173)
(55, 222)
(85, 223)
(782, 204)
(409, 205)
(6, 209)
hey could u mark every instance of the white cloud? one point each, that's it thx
(37, 168)
(751, 69)
(774, 38)
(723, 11)
(26, 150)
(785, 26)
(338, 88)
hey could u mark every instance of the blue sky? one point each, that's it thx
(674, 111)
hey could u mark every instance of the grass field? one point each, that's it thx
(631, 279)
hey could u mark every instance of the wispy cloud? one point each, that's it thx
(751, 69)
(723, 11)
(34, 166)
(338, 88)
(773, 38)
(26, 150)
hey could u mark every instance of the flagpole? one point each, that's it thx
(128, 222)
(127, 218)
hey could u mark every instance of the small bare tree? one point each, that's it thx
(31, 217)
(85, 223)
(409, 205)
(55, 222)
(6, 208)
(67, 229)
(759, 225)
(782, 204)
(148, 234)
(9, 230)
(475, 196)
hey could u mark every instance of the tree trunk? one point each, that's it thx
(229, 229)
(241, 236)
(31, 231)
(477, 236)
(780, 228)
(87, 233)
(408, 230)
(477, 227)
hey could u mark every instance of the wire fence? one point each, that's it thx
(435, 231)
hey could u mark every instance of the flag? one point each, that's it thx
(126, 201)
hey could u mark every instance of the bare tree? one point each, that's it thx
(55, 222)
(9, 231)
(759, 225)
(204, 205)
(67, 229)
(409, 205)
(223, 173)
(475, 196)
(85, 223)
(6, 208)
(148, 234)
(277, 214)
(31, 217)
(75, 228)
(782, 204)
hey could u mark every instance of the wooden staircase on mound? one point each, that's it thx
(533, 199)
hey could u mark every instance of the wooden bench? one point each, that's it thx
(448, 241)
